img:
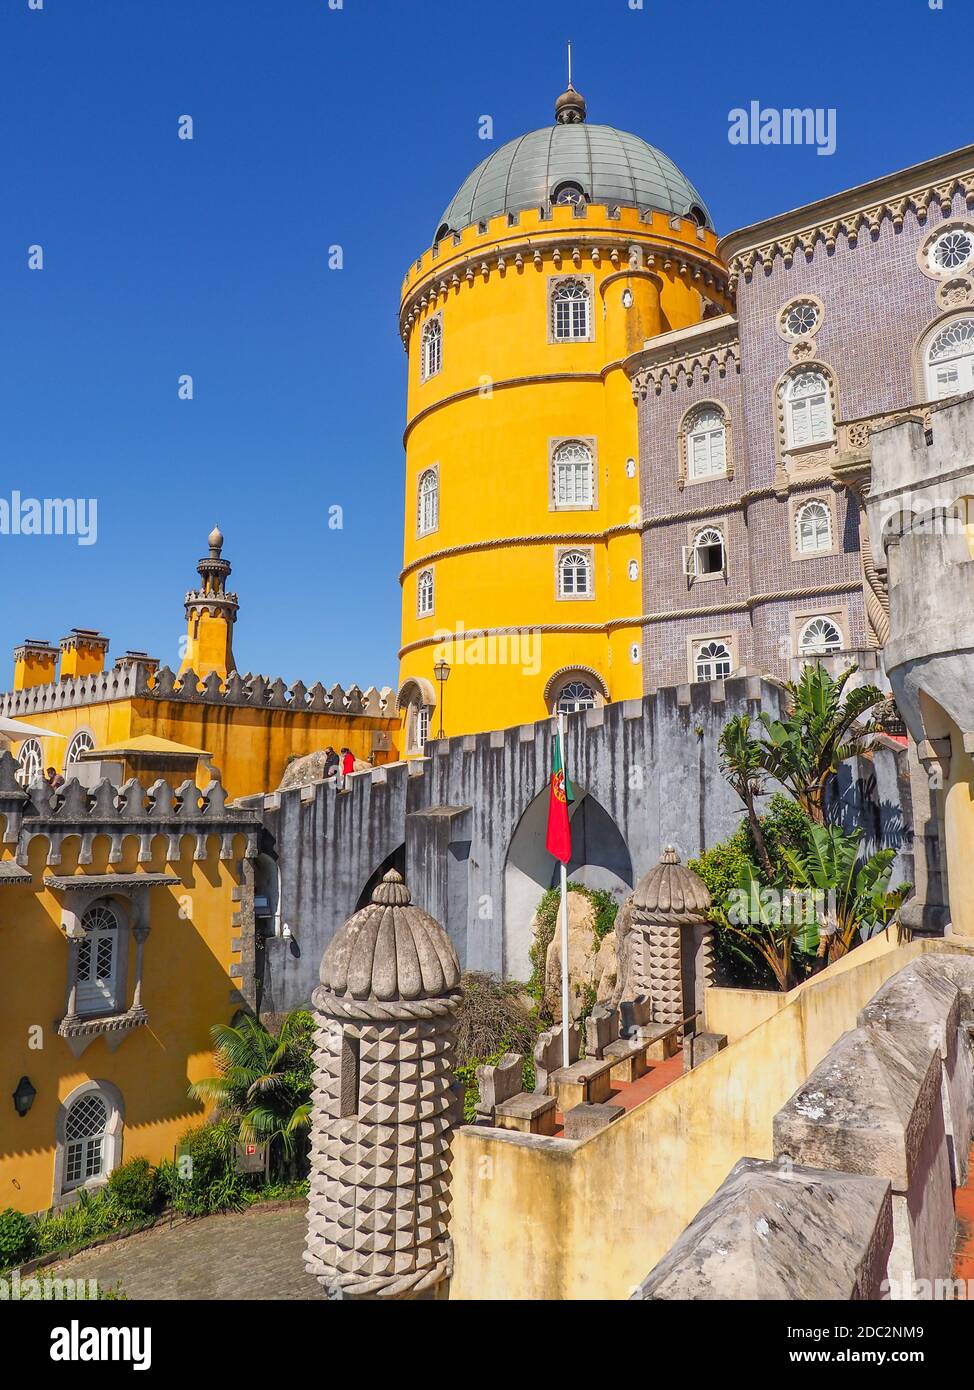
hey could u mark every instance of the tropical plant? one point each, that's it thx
(203, 1178)
(853, 895)
(742, 763)
(770, 921)
(16, 1237)
(264, 1083)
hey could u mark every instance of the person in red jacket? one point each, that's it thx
(346, 765)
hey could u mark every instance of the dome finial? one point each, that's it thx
(570, 107)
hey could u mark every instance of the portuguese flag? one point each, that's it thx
(559, 838)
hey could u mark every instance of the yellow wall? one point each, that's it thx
(487, 420)
(539, 1219)
(250, 747)
(186, 988)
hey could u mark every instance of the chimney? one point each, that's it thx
(35, 663)
(82, 653)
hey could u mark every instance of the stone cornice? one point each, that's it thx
(641, 619)
(566, 248)
(845, 214)
(712, 345)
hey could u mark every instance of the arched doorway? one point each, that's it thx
(600, 859)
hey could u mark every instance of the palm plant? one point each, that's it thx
(264, 1082)
(742, 763)
(854, 896)
(823, 726)
(771, 921)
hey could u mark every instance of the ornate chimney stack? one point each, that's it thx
(211, 612)
(35, 663)
(83, 653)
(380, 1146)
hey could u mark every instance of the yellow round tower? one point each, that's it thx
(559, 256)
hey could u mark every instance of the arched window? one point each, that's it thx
(572, 474)
(81, 743)
(429, 501)
(808, 409)
(813, 528)
(708, 555)
(85, 1131)
(568, 193)
(30, 763)
(574, 575)
(712, 661)
(432, 348)
(422, 726)
(424, 594)
(819, 637)
(570, 311)
(98, 951)
(706, 436)
(575, 696)
(950, 360)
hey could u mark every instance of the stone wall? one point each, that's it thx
(467, 824)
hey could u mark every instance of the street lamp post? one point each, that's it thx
(442, 673)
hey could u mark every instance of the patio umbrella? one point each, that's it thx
(11, 730)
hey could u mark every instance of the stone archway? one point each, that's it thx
(600, 859)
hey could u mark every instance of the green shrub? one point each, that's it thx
(203, 1179)
(91, 1216)
(133, 1189)
(17, 1238)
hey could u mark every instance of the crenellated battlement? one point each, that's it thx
(142, 680)
(74, 812)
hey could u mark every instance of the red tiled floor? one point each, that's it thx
(629, 1095)
(964, 1207)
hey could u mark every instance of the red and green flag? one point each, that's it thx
(559, 838)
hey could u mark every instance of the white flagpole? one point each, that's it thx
(565, 1020)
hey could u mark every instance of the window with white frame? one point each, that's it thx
(428, 501)
(712, 660)
(98, 952)
(30, 762)
(575, 696)
(571, 311)
(575, 575)
(432, 348)
(706, 443)
(424, 594)
(85, 1133)
(707, 554)
(819, 637)
(952, 251)
(813, 528)
(572, 474)
(950, 360)
(82, 742)
(808, 409)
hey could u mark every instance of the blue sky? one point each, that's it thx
(315, 127)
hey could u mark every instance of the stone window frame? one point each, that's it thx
(695, 529)
(796, 502)
(837, 613)
(131, 907)
(786, 309)
(434, 470)
(565, 675)
(554, 281)
(787, 452)
(114, 1103)
(682, 437)
(590, 442)
(416, 693)
(81, 731)
(695, 639)
(34, 744)
(561, 552)
(922, 346)
(435, 318)
(949, 224)
(420, 611)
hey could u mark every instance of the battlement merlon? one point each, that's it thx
(75, 813)
(133, 678)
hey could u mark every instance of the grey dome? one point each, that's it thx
(611, 166)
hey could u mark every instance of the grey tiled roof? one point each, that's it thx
(612, 167)
(12, 873)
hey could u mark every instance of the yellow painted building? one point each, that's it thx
(559, 256)
(127, 919)
(250, 727)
